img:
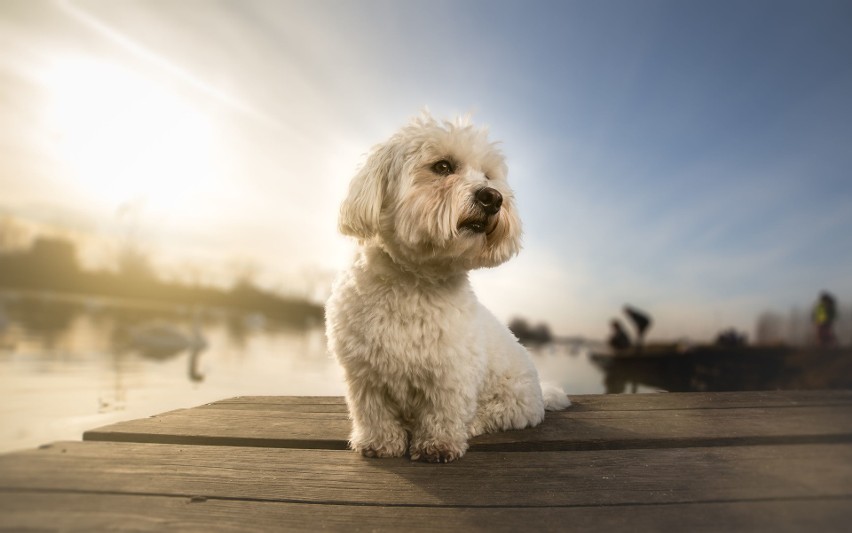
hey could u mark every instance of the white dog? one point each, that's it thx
(427, 366)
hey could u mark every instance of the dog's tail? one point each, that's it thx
(555, 398)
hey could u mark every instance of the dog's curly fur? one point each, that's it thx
(426, 365)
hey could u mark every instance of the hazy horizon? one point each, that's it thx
(690, 158)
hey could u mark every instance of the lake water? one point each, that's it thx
(72, 364)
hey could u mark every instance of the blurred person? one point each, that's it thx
(824, 314)
(618, 339)
(641, 321)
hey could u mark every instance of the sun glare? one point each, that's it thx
(123, 137)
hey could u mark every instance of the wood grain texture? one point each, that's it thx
(766, 461)
(583, 402)
(29, 511)
(593, 422)
(480, 479)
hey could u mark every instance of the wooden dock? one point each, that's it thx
(739, 461)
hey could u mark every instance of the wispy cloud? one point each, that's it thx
(184, 75)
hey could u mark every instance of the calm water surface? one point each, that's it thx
(72, 364)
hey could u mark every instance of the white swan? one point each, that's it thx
(4, 321)
(164, 338)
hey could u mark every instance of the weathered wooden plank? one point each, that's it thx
(583, 402)
(84, 512)
(567, 430)
(277, 429)
(498, 479)
(290, 404)
(710, 400)
(589, 430)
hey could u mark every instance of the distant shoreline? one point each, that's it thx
(101, 301)
(50, 267)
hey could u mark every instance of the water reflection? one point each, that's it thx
(68, 364)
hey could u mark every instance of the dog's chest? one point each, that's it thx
(408, 328)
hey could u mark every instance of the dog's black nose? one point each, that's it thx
(490, 200)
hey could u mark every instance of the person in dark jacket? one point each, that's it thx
(641, 321)
(618, 339)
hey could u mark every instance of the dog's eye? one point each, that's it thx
(443, 167)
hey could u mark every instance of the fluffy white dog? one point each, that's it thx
(427, 366)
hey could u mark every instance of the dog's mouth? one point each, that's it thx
(479, 225)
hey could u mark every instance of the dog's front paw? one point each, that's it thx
(376, 450)
(390, 444)
(437, 452)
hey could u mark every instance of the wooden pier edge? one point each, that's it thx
(666, 420)
(749, 461)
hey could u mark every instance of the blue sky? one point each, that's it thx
(692, 158)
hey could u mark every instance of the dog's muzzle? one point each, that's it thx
(489, 201)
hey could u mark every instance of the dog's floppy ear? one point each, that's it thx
(359, 213)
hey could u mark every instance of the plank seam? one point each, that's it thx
(284, 406)
(243, 442)
(200, 498)
(580, 408)
(654, 444)
(526, 446)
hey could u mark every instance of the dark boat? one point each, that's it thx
(681, 368)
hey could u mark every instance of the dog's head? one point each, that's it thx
(435, 194)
